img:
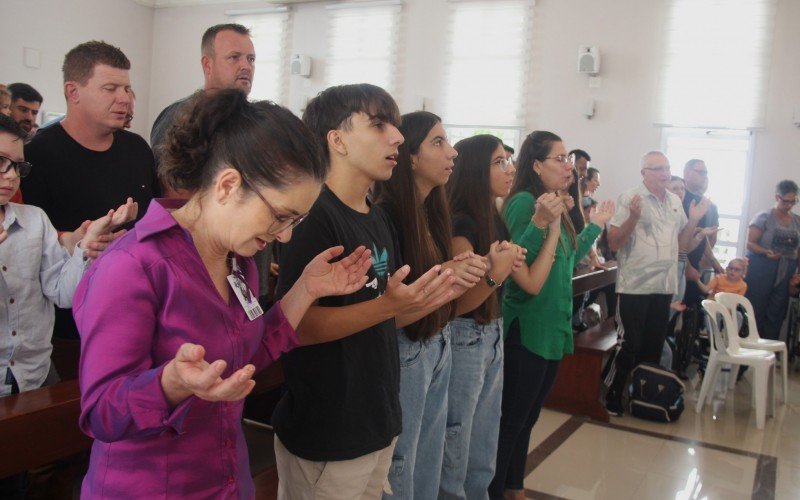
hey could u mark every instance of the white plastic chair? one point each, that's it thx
(753, 340)
(725, 349)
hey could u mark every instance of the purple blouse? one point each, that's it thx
(148, 294)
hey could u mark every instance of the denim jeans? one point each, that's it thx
(473, 409)
(424, 378)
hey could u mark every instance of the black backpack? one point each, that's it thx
(656, 393)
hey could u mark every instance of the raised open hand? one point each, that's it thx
(188, 373)
(322, 278)
(698, 210)
(431, 290)
(126, 212)
(603, 213)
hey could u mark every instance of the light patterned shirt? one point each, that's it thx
(35, 272)
(648, 261)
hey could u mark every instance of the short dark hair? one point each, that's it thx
(579, 153)
(25, 92)
(9, 126)
(265, 142)
(79, 62)
(334, 106)
(785, 187)
(677, 178)
(207, 42)
(508, 148)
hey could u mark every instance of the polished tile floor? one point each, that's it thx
(717, 453)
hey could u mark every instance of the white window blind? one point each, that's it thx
(269, 31)
(488, 59)
(716, 63)
(362, 44)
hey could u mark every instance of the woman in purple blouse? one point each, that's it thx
(171, 332)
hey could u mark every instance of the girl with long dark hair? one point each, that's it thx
(482, 174)
(415, 200)
(537, 302)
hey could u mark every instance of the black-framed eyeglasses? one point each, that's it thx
(504, 163)
(570, 159)
(280, 223)
(783, 200)
(22, 168)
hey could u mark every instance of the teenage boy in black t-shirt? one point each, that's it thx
(341, 413)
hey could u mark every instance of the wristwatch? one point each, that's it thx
(489, 281)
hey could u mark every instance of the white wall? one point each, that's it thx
(628, 32)
(55, 26)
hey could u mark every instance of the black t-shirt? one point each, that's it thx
(464, 226)
(163, 123)
(72, 184)
(343, 397)
(693, 294)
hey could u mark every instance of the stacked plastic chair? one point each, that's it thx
(725, 349)
(753, 340)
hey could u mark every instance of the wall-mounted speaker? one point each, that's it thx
(588, 60)
(301, 65)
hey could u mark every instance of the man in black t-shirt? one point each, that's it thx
(341, 412)
(87, 163)
(695, 176)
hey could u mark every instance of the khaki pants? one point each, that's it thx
(360, 478)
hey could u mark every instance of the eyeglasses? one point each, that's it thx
(22, 168)
(281, 222)
(570, 159)
(505, 164)
(783, 200)
(657, 169)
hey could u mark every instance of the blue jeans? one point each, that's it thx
(473, 409)
(424, 378)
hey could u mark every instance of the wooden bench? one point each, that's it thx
(576, 389)
(41, 426)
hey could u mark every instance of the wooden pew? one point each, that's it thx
(577, 386)
(41, 426)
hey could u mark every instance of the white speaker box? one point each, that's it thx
(588, 60)
(301, 65)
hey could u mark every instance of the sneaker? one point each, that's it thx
(614, 403)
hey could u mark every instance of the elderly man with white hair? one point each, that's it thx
(646, 232)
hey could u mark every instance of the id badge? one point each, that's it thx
(246, 298)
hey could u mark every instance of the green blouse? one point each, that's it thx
(544, 319)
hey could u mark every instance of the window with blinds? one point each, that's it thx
(270, 32)
(362, 43)
(488, 59)
(716, 63)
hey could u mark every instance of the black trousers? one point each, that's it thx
(527, 379)
(644, 321)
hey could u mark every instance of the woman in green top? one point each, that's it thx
(537, 305)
